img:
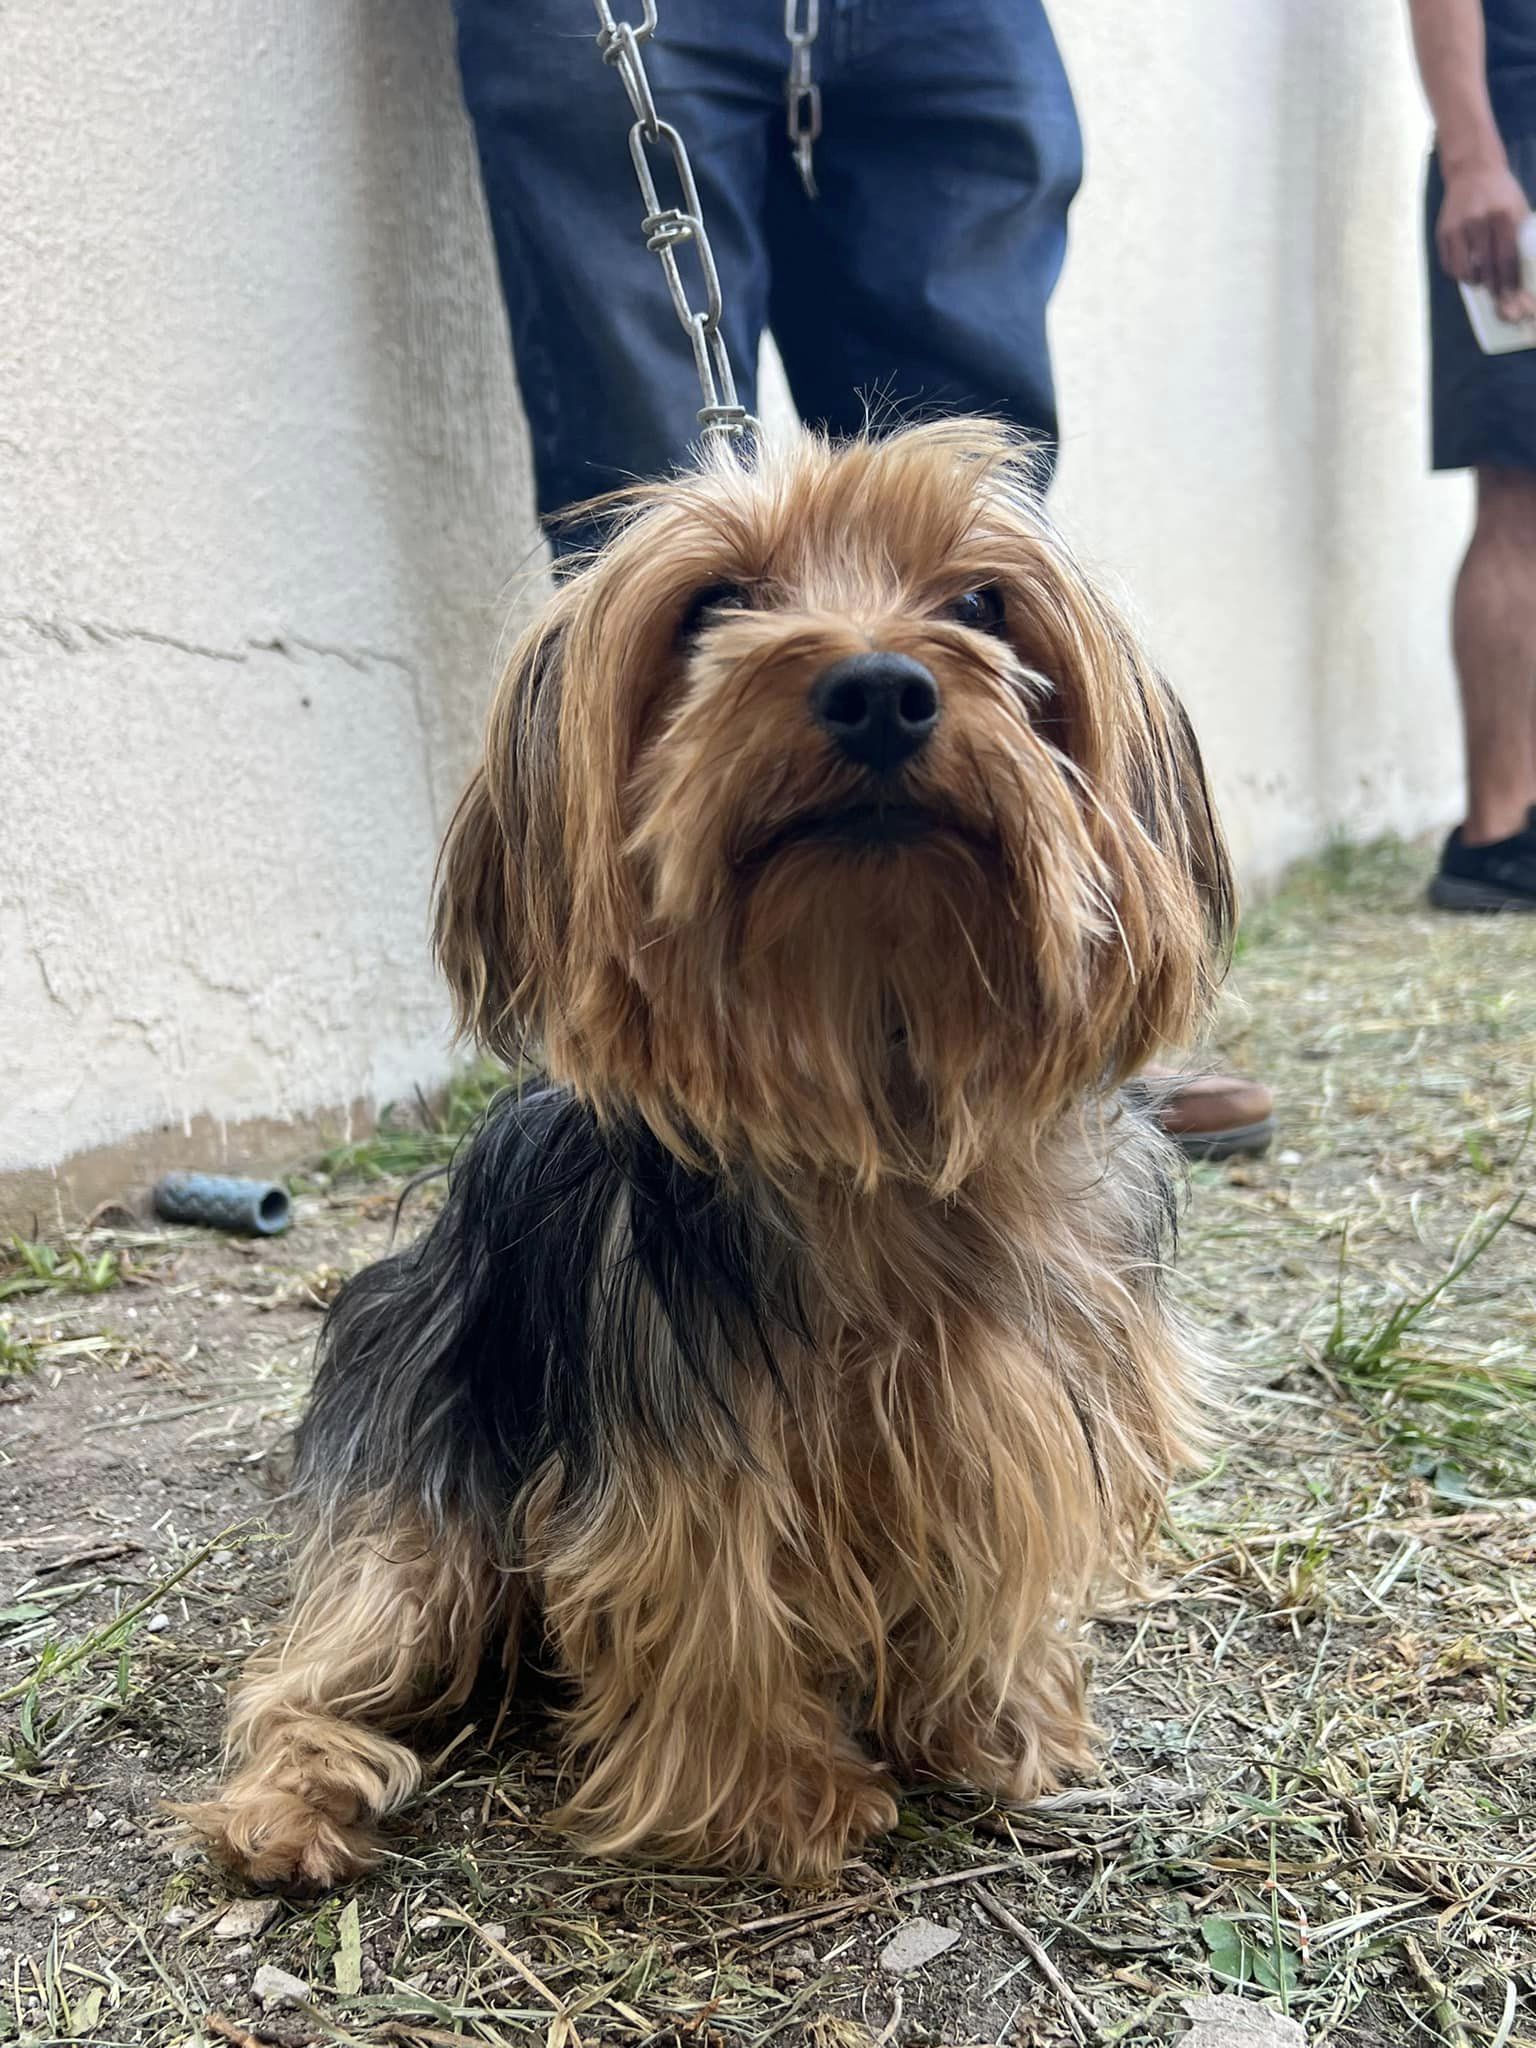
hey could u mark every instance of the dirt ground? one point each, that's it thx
(1319, 1784)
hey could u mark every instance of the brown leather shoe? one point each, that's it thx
(1214, 1116)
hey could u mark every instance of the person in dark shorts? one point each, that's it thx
(915, 281)
(1477, 59)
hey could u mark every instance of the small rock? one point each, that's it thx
(37, 1898)
(496, 1930)
(157, 1623)
(179, 1916)
(95, 1818)
(121, 1826)
(278, 1987)
(1518, 1741)
(1228, 2022)
(1288, 1158)
(245, 1919)
(67, 1914)
(914, 1943)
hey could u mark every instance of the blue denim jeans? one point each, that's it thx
(916, 283)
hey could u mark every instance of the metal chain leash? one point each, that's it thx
(666, 228)
(801, 21)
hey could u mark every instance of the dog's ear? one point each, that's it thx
(1176, 903)
(501, 892)
(1205, 844)
(1177, 809)
(476, 922)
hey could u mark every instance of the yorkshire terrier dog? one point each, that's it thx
(789, 1368)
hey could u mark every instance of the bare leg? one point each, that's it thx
(388, 1627)
(1494, 623)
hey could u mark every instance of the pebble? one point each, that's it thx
(157, 1622)
(1228, 2022)
(179, 1916)
(279, 1987)
(914, 1943)
(1288, 1158)
(95, 1818)
(37, 1898)
(245, 1919)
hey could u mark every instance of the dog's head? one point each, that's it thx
(830, 818)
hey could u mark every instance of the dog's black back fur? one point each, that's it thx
(579, 1287)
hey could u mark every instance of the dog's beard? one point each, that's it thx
(872, 978)
(859, 1009)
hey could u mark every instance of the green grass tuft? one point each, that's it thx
(1460, 1411)
(413, 1139)
(17, 1356)
(34, 1268)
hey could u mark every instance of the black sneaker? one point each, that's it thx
(1499, 876)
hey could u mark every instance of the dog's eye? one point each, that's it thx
(719, 597)
(980, 609)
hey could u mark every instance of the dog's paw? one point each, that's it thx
(1016, 1756)
(302, 1809)
(275, 1836)
(820, 1818)
(271, 1834)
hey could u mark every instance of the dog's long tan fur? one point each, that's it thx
(884, 1572)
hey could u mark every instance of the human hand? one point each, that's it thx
(1478, 234)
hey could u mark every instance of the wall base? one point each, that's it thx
(42, 1201)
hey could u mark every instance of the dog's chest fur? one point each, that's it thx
(919, 1411)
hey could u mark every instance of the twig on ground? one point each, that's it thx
(1078, 2015)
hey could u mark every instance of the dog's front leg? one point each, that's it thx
(389, 1626)
(706, 1728)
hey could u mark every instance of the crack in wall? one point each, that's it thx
(81, 636)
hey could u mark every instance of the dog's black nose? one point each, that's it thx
(879, 708)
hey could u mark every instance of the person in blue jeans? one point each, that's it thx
(918, 278)
(915, 282)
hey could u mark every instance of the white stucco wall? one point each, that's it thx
(1241, 350)
(264, 504)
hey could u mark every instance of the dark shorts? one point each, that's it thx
(1483, 408)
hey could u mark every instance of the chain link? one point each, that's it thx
(801, 92)
(667, 228)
